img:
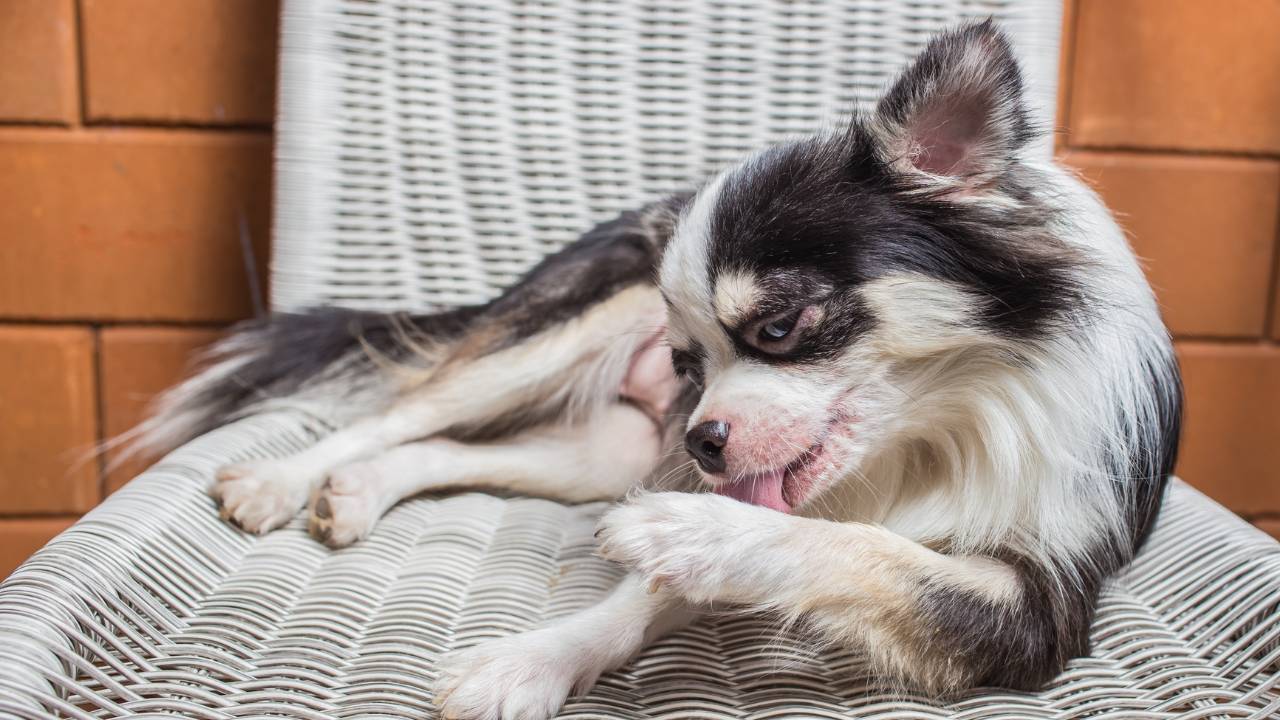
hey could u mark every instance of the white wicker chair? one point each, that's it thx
(428, 152)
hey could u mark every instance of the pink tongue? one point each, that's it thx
(762, 490)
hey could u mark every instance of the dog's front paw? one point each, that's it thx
(522, 677)
(698, 546)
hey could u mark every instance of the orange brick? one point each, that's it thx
(137, 363)
(1177, 74)
(1229, 447)
(1271, 526)
(38, 61)
(1066, 59)
(49, 422)
(198, 61)
(1275, 296)
(130, 224)
(20, 538)
(1205, 228)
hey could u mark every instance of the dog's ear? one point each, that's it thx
(957, 114)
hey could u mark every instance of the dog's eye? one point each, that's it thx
(693, 375)
(687, 366)
(780, 333)
(779, 328)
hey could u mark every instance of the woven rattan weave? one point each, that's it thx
(427, 153)
(152, 605)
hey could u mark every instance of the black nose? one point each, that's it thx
(705, 442)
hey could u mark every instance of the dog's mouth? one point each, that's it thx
(785, 487)
(781, 488)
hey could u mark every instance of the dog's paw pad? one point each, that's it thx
(346, 507)
(258, 497)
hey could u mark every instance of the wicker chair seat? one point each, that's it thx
(429, 151)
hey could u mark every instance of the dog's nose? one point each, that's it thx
(705, 442)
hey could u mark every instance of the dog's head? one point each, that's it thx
(819, 291)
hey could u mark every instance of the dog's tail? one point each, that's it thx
(336, 363)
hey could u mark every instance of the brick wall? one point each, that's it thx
(135, 139)
(1171, 108)
(135, 135)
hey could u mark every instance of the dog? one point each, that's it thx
(899, 382)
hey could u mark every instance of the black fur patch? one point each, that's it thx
(1019, 646)
(1144, 475)
(288, 350)
(829, 209)
(606, 259)
(836, 210)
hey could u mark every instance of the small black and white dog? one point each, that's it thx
(921, 375)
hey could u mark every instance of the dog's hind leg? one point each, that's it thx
(599, 459)
(581, 362)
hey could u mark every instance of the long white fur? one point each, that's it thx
(855, 583)
(1015, 454)
(684, 274)
(599, 459)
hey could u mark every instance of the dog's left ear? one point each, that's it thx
(956, 116)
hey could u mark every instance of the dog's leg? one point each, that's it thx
(529, 676)
(599, 459)
(935, 621)
(549, 369)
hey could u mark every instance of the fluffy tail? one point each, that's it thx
(330, 361)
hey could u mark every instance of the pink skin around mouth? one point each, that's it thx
(781, 488)
(784, 487)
